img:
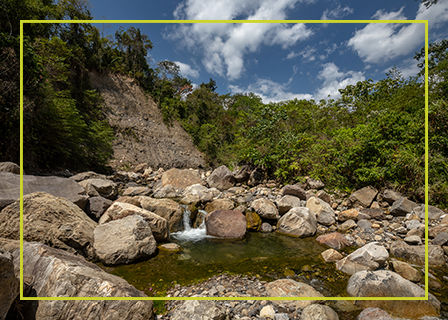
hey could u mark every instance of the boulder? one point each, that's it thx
(416, 254)
(291, 288)
(105, 188)
(391, 196)
(226, 224)
(406, 271)
(255, 178)
(253, 221)
(350, 214)
(285, 203)
(50, 220)
(402, 207)
(197, 193)
(181, 178)
(9, 167)
(124, 241)
(200, 310)
(242, 174)
(294, 190)
(265, 209)
(97, 206)
(56, 186)
(8, 282)
(347, 225)
(87, 175)
(441, 239)
(119, 210)
(369, 257)
(331, 255)
(374, 314)
(50, 272)
(298, 222)
(334, 240)
(167, 191)
(385, 283)
(219, 204)
(137, 191)
(221, 178)
(168, 209)
(314, 184)
(363, 197)
(324, 213)
(433, 212)
(318, 312)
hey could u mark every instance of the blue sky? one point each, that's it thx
(281, 61)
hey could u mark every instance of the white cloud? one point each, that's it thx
(336, 13)
(333, 79)
(224, 46)
(408, 68)
(186, 70)
(378, 42)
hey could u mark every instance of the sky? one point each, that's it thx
(281, 61)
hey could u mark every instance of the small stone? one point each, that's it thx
(331, 255)
(413, 240)
(267, 312)
(347, 225)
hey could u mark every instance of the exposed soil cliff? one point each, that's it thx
(141, 135)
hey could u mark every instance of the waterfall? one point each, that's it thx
(189, 233)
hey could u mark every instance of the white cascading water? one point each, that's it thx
(189, 233)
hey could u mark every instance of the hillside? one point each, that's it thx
(140, 133)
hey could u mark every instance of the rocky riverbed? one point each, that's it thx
(373, 240)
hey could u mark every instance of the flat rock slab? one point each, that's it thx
(385, 283)
(50, 220)
(51, 272)
(226, 224)
(124, 241)
(56, 186)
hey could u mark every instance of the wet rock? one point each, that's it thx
(318, 312)
(402, 207)
(416, 254)
(174, 247)
(226, 224)
(51, 220)
(219, 204)
(194, 309)
(181, 178)
(406, 271)
(50, 272)
(324, 213)
(391, 196)
(291, 288)
(168, 209)
(334, 240)
(369, 257)
(97, 206)
(385, 283)
(265, 209)
(124, 241)
(294, 190)
(331, 255)
(350, 214)
(56, 186)
(285, 203)
(119, 210)
(9, 167)
(314, 184)
(221, 178)
(298, 222)
(253, 221)
(374, 314)
(8, 282)
(363, 197)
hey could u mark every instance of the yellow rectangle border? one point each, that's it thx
(425, 22)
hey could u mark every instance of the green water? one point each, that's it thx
(268, 256)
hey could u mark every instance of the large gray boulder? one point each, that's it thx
(9, 284)
(226, 224)
(97, 206)
(385, 283)
(199, 310)
(50, 272)
(168, 209)
(298, 222)
(56, 186)
(324, 213)
(124, 241)
(363, 197)
(286, 203)
(294, 190)
(119, 210)
(416, 254)
(50, 220)
(9, 167)
(265, 209)
(221, 178)
(102, 187)
(369, 257)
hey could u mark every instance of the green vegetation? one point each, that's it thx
(372, 135)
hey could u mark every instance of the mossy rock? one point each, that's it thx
(253, 221)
